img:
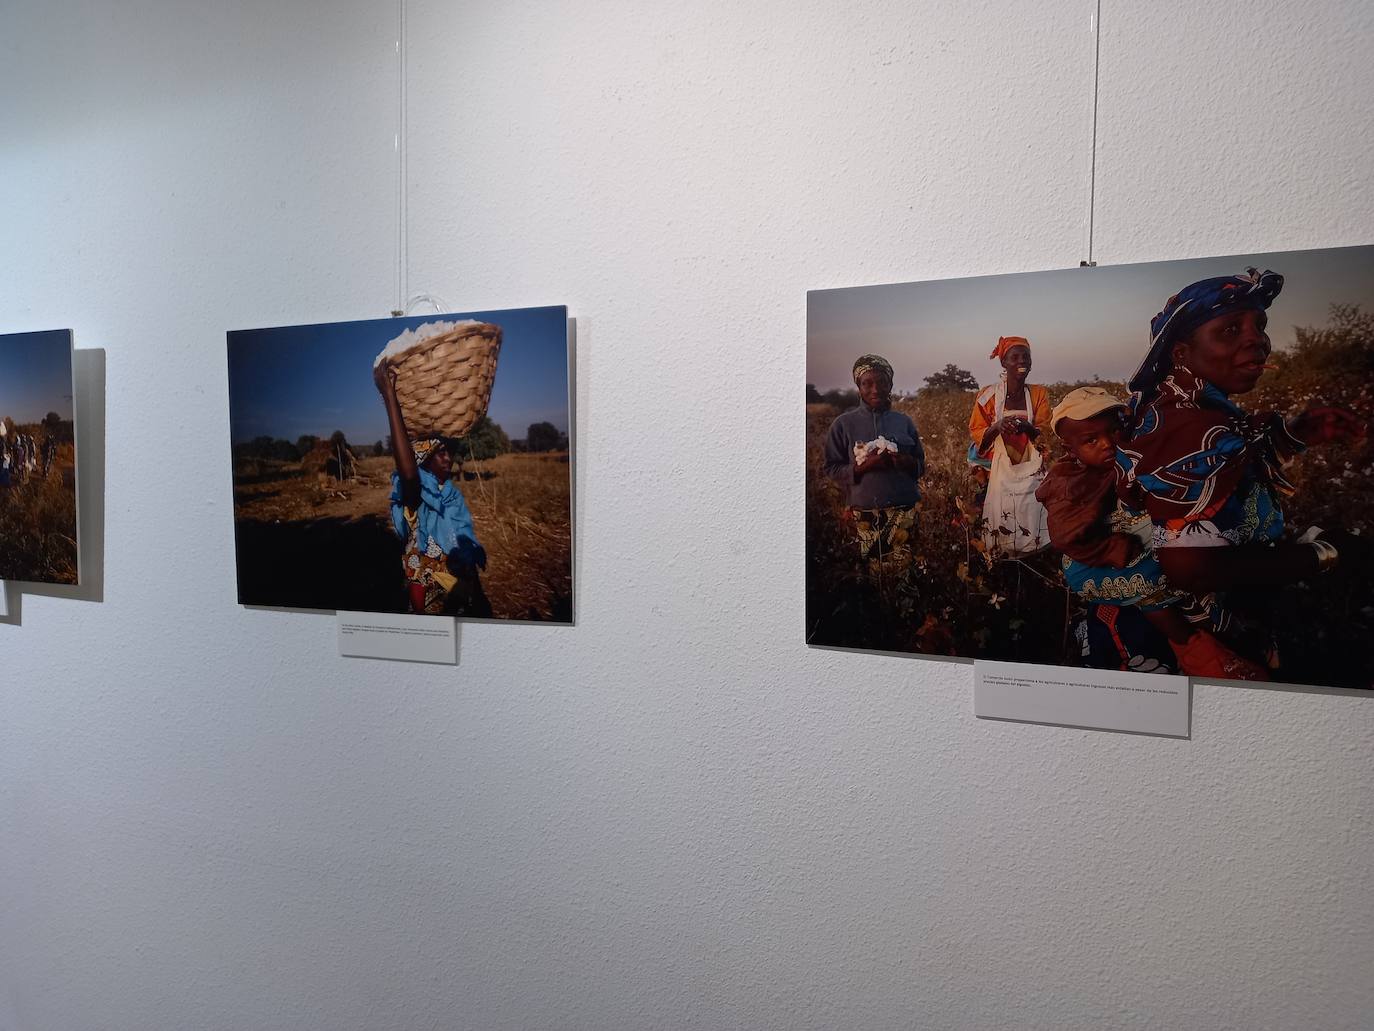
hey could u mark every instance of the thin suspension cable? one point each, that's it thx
(1092, 168)
(402, 144)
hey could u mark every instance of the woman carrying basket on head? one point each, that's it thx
(440, 552)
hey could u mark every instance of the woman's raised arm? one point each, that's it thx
(401, 452)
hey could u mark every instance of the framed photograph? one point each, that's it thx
(417, 464)
(38, 535)
(1153, 468)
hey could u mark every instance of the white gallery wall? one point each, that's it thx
(674, 814)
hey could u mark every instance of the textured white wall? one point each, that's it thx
(674, 814)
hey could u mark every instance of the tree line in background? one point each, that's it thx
(486, 440)
(52, 424)
(951, 377)
(1344, 347)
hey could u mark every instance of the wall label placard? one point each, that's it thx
(1142, 703)
(382, 635)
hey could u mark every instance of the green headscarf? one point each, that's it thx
(872, 362)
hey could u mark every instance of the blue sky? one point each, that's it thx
(1080, 322)
(294, 380)
(36, 375)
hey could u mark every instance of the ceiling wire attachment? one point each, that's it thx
(1092, 167)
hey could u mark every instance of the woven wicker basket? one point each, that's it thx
(444, 382)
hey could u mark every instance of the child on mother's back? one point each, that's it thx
(1112, 569)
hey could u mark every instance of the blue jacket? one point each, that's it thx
(443, 514)
(877, 488)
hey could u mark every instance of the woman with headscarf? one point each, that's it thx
(440, 552)
(1209, 474)
(874, 453)
(1009, 427)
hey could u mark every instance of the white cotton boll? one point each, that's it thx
(413, 337)
(873, 447)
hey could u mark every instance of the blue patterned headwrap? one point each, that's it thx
(1194, 306)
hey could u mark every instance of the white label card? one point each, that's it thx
(1144, 703)
(382, 635)
(4, 599)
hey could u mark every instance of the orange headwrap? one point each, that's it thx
(1005, 344)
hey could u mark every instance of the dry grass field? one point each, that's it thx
(305, 540)
(38, 521)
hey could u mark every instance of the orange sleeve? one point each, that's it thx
(1040, 403)
(980, 419)
(1040, 417)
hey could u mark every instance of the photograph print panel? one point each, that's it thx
(415, 464)
(1161, 467)
(38, 535)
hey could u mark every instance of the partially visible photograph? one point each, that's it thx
(417, 464)
(1163, 467)
(38, 539)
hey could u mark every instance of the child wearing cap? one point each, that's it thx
(1106, 561)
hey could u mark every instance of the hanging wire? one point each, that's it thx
(402, 145)
(405, 302)
(1092, 167)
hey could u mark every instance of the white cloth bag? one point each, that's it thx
(1011, 499)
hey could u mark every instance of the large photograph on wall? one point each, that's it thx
(415, 464)
(1161, 467)
(38, 539)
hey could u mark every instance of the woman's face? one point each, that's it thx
(1228, 352)
(874, 388)
(440, 463)
(1017, 360)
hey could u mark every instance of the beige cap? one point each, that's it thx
(1084, 403)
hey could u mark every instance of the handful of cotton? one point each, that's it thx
(862, 450)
